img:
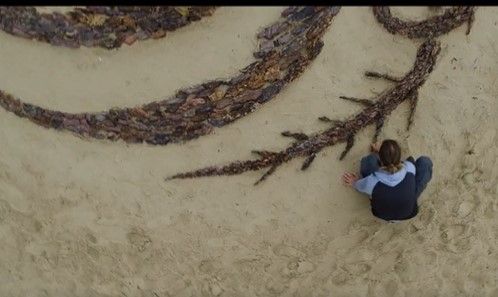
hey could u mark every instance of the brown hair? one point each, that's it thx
(390, 156)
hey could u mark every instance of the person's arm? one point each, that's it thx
(366, 184)
(410, 165)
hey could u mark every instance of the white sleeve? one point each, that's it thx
(410, 167)
(366, 184)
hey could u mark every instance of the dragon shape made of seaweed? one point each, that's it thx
(375, 111)
(286, 48)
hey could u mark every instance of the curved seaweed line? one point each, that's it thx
(429, 28)
(286, 48)
(102, 26)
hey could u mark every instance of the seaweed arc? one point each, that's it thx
(431, 27)
(375, 111)
(98, 26)
(286, 48)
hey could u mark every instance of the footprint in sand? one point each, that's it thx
(450, 233)
(385, 288)
(406, 270)
(486, 140)
(275, 287)
(215, 289)
(37, 225)
(288, 251)
(358, 268)
(13, 196)
(340, 276)
(391, 288)
(456, 238)
(356, 262)
(384, 263)
(360, 255)
(138, 238)
(380, 237)
(91, 237)
(469, 179)
(424, 218)
(318, 247)
(5, 210)
(464, 209)
(358, 233)
(93, 252)
(297, 267)
(304, 266)
(209, 266)
(491, 210)
(347, 272)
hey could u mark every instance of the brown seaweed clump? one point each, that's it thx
(99, 26)
(432, 27)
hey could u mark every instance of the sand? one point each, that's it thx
(83, 217)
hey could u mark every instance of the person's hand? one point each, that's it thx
(375, 147)
(349, 178)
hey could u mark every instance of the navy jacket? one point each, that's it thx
(392, 196)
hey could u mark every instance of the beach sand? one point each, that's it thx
(86, 217)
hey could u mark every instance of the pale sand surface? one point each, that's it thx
(83, 217)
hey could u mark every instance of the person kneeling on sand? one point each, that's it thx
(394, 186)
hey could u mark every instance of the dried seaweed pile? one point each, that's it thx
(375, 111)
(98, 26)
(432, 27)
(286, 48)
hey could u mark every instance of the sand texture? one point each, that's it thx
(87, 217)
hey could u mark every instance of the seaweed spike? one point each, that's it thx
(365, 102)
(297, 136)
(349, 145)
(385, 76)
(263, 154)
(470, 22)
(268, 173)
(333, 122)
(325, 119)
(308, 161)
(412, 100)
(378, 128)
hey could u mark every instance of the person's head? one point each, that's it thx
(390, 156)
